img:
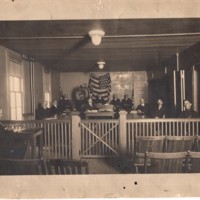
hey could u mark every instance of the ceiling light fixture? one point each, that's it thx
(96, 36)
(101, 64)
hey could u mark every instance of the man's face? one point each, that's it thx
(89, 101)
(44, 105)
(160, 102)
(55, 103)
(126, 96)
(142, 101)
(66, 96)
(187, 105)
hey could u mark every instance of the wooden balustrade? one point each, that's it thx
(159, 127)
(77, 138)
(57, 136)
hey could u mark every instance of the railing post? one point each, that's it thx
(76, 135)
(122, 132)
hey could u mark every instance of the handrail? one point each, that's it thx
(164, 120)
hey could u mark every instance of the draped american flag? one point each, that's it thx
(100, 85)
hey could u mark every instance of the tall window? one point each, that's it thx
(47, 86)
(47, 98)
(16, 90)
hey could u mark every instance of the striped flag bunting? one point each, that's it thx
(100, 85)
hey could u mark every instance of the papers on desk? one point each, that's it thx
(92, 111)
(50, 118)
(133, 112)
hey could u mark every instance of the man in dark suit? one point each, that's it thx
(116, 105)
(65, 105)
(90, 105)
(160, 110)
(143, 108)
(43, 111)
(127, 103)
(188, 112)
(54, 108)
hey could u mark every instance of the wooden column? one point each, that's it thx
(195, 89)
(182, 84)
(122, 132)
(174, 87)
(76, 135)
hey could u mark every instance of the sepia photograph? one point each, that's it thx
(99, 98)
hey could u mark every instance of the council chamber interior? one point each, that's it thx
(74, 61)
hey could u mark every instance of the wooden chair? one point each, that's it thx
(165, 162)
(193, 164)
(22, 167)
(151, 143)
(141, 162)
(146, 144)
(197, 143)
(64, 166)
(179, 143)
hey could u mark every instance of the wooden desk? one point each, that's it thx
(99, 115)
(18, 144)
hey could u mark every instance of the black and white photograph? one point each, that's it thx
(99, 94)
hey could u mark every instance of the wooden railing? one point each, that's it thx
(78, 138)
(57, 136)
(160, 127)
(99, 138)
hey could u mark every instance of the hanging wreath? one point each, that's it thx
(82, 92)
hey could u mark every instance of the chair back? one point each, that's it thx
(197, 143)
(145, 143)
(22, 167)
(179, 143)
(65, 166)
(166, 162)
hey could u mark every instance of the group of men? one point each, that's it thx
(160, 110)
(64, 105)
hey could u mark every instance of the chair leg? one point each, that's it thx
(136, 169)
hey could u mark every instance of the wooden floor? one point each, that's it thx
(108, 166)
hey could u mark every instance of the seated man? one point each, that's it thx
(65, 104)
(116, 105)
(100, 100)
(160, 110)
(127, 103)
(54, 108)
(188, 112)
(43, 111)
(142, 109)
(90, 105)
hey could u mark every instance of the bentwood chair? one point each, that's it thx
(151, 143)
(165, 162)
(146, 144)
(22, 167)
(67, 166)
(179, 143)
